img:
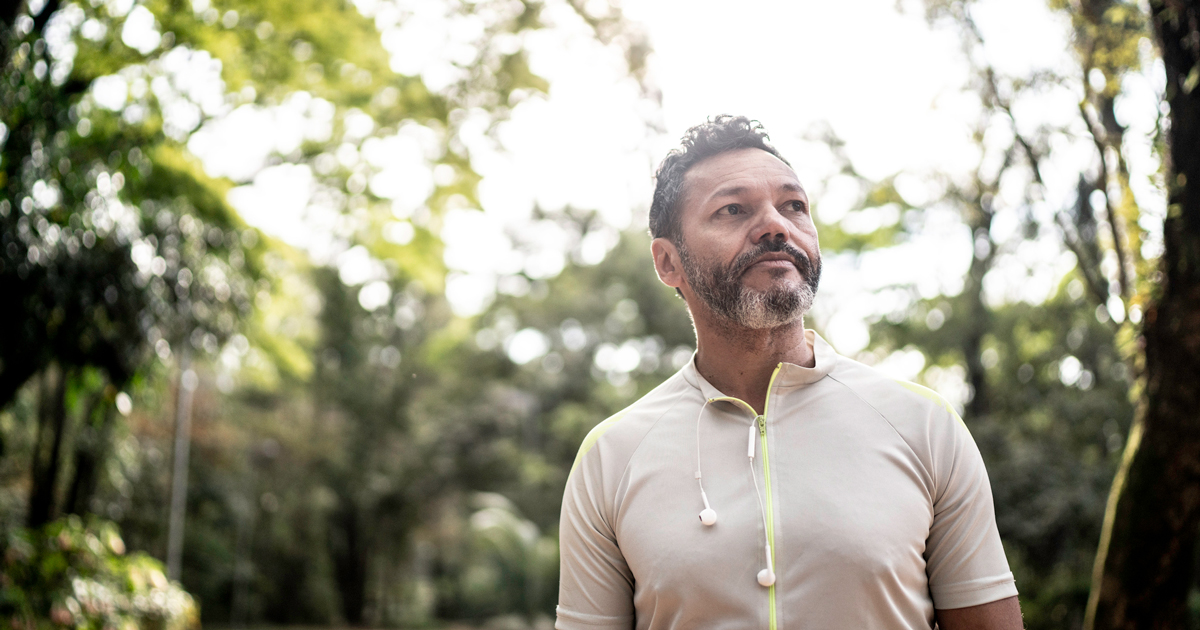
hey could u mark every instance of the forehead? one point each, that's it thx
(741, 171)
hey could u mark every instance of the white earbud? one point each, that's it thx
(708, 516)
(766, 577)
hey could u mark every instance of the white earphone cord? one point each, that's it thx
(708, 516)
(770, 577)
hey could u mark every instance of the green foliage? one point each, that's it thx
(501, 563)
(1107, 34)
(75, 574)
(883, 209)
(369, 475)
(612, 332)
(114, 239)
(116, 246)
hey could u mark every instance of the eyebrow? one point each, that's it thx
(734, 191)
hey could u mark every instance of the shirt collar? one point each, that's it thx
(790, 375)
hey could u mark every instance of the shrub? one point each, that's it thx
(75, 574)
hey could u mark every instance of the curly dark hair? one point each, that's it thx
(718, 135)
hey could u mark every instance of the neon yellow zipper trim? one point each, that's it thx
(762, 433)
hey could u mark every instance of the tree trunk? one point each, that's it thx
(177, 516)
(52, 416)
(348, 549)
(91, 446)
(1144, 567)
(978, 315)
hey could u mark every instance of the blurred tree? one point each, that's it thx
(551, 357)
(114, 242)
(417, 433)
(1145, 569)
(119, 247)
(369, 502)
(378, 472)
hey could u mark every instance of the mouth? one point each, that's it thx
(774, 260)
(773, 257)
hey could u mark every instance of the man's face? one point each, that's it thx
(749, 246)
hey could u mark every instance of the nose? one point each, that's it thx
(770, 225)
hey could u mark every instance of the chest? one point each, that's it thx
(842, 496)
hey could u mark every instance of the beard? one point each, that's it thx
(721, 287)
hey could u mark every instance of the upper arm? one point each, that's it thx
(965, 558)
(1004, 614)
(595, 583)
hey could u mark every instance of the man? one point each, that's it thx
(771, 483)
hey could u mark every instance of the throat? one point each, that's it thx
(741, 365)
(771, 345)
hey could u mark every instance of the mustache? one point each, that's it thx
(799, 258)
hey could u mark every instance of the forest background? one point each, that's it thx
(363, 411)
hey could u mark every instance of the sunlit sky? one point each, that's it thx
(883, 79)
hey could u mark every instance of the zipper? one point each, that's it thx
(761, 420)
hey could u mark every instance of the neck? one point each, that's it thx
(739, 361)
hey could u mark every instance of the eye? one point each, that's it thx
(731, 209)
(798, 206)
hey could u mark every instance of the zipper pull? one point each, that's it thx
(762, 425)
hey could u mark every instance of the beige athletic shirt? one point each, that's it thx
(878, 508)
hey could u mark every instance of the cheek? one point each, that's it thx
(807, 242)
(807, 233)
(707, 247)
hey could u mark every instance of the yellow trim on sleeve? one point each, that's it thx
(594, 435)
(934, 396)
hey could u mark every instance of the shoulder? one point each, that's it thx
(615, 439)
(922, 417)
(896, 400)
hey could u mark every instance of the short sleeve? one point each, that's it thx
(964, 556)
(595, 583)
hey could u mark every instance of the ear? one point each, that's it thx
(666, 262)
